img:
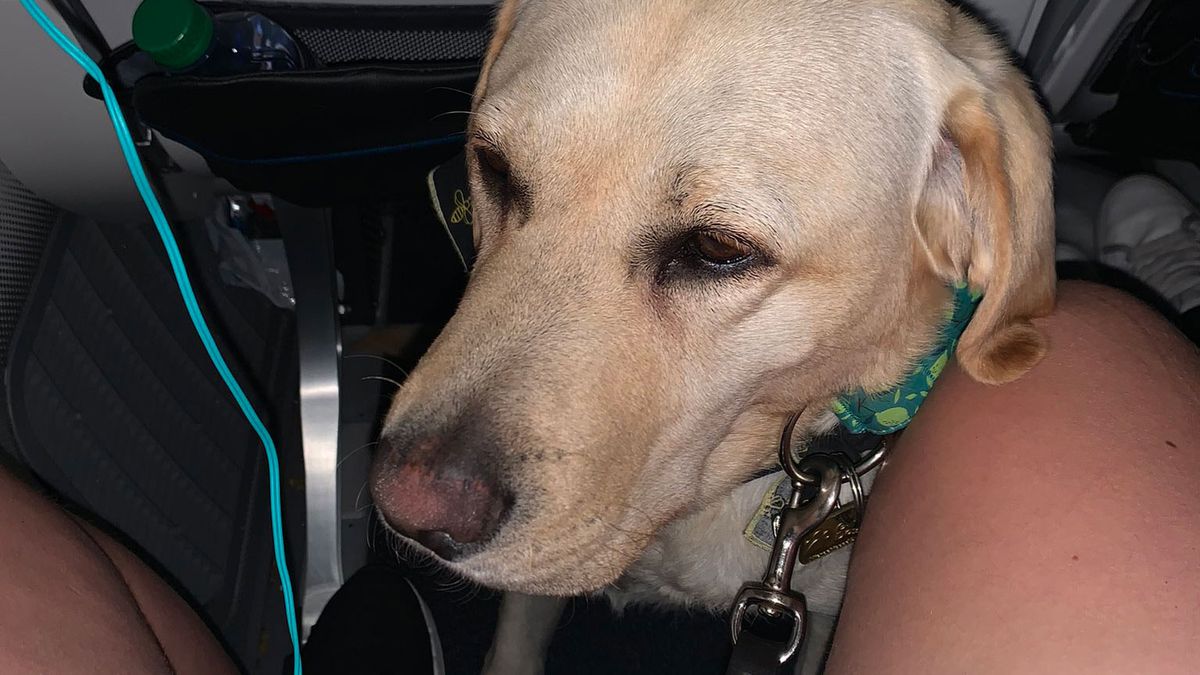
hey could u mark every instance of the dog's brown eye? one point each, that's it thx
(718, 249)
(500, 188)
(493, 165)
(494, 161)
(705, 254)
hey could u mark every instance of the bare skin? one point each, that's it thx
(1046, 526)
(76, 601)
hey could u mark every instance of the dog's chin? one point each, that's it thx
(581, 580)
(549, 572)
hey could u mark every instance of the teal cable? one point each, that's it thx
(189, 300)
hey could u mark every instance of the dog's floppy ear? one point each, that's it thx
(985, 215)
(506, 16)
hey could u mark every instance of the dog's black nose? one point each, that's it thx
(437, 496)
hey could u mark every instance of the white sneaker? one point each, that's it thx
(1151, 231)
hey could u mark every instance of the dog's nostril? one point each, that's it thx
(446, 507)
(441, 543)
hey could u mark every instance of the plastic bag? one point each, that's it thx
(249, 249)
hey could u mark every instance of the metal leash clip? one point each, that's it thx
(773, 596)
(802, 525)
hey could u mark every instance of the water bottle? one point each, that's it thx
(183, 37)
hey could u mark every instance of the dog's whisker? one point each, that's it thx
(468, 113)
(460, 589)
(451, 89)
(352, 452)
(372, 534)
(641, 537)
(381, 378)
(357, 497)
(443, 579)
(378, 357)
(465, 591)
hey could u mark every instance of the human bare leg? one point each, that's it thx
(1045, 526)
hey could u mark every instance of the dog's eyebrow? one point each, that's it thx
(735, 219)
(714, 203)
(487, 138)
(756, 218)
(708, 212)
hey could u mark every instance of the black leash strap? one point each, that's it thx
(753, 655)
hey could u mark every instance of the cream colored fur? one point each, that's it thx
(867, 152)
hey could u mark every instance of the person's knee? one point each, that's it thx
(1101, 334)
(1112, 315)
(1111, 361)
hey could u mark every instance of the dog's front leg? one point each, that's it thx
(523, 633)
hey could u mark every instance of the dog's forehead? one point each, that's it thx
(660, 82)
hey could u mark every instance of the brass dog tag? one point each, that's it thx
(838, 531)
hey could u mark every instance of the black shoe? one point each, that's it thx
(376, 624)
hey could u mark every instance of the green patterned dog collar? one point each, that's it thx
(890, 411)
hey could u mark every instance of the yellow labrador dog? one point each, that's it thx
(695, 217)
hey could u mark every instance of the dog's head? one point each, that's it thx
(692, 219)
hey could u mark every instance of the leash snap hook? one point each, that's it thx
(773, 596)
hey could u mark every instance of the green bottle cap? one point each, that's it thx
(175, 32)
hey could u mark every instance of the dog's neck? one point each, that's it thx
(886, 412)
